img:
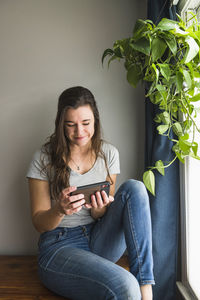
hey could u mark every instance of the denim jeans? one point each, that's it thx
(79, 262)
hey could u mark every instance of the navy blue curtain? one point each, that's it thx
(165, 205)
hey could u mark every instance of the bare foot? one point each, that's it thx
(146, 292)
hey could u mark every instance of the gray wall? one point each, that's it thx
(45, 47)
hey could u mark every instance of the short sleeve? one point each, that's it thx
(36, 168)
(112, 156)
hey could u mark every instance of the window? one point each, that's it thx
(190, 201)
(193, 209)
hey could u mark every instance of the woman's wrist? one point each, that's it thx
(48, 219)
(98, 212)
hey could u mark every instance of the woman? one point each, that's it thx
(79, 242)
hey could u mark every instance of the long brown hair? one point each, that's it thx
(57, 147)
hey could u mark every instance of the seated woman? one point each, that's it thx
(80, 243)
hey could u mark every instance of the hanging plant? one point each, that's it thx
(166, 58)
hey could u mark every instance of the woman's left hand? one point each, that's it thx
(100, 200)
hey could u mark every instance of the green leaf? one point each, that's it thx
(160, 88)
(142, 45)
(165, 117)
(160, 167)
(179, 81)
(185, 137)
(151, 89)
(195, 98)
(193, 49)
(185, 146)
(122, 48)
(187, 77)
(149, 181)
(195, 156)
(196, 74)
(164, 95)
(195, 147)
(118, 49)
(165, 71)
(166, 24)
(162, 129)
(156, 98)
(125, 46)
(134, 75)
(157, 119)
(187, 125)
(175, 148)
(140, 27)
(178, 152)
(177, 129)
(180, 157)
(158, 48)
(156, 72)
(106, 53)
(171, 43)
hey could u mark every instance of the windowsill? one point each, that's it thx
(186, 292)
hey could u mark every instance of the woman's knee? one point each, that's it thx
(134, 192)
(134, 187)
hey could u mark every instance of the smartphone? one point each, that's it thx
(91, 189)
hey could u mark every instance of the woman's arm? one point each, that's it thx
(44, 216)
(100, 201)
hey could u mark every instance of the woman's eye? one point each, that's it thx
(73, 125)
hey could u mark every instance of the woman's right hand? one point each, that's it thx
(68, 205)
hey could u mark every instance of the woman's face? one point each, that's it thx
(79, 125)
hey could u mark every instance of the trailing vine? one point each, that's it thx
(166, 58)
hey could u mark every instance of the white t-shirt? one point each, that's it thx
(97, 173)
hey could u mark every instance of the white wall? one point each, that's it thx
(45, 47)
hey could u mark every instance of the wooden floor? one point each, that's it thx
(19, 280)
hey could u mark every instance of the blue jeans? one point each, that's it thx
(79, 262)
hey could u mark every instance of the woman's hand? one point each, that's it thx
(68, 205)
(99, 200)
(98, 205)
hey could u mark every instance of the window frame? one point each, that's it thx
(184, 285)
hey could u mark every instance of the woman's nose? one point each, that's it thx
(79, 130)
